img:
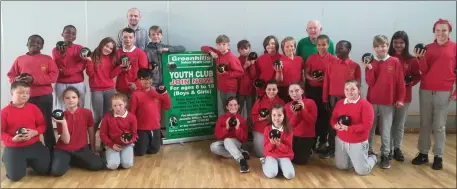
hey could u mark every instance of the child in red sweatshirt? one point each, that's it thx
(227, 80)
(118, 132)
(386, 91)
(146, 104)
(102, 68)
(399, 48)
(246, 89)
(291, 70)
(302, 115)
(278, 151)
(23, 147)
(316, 65)
(231, 132)
(264, 66)
(260, 112)
(438, 67)
(351, 145)
(72, 144)
(127, 82)
(71, 66)
(338, 71)
(44, 72)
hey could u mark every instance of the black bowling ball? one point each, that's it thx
(61, 45)
(233, 121)
(58, 114)
(296, 106)
(85, 52)
(345, 120)
(21, 130)
(264, 112)
(153, 65)
(420, 46)
(127, 136)
(274, 133)
(221, 68)
(277, 63)
(408, 78)
(124, 59)
(22, 76)
(252, 56)
(259, 83)
(317, 73)
(160, 90)
(367, 58)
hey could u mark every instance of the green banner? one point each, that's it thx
(190, 79)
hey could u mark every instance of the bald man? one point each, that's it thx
(307, 46)
(141, 34)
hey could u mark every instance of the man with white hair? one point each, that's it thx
(307, 46)
(141, 34)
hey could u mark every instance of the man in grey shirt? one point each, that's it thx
(141, 35)
(154, 50)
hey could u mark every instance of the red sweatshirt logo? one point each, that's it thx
(44, 67)
(390, 69)
(351, 72)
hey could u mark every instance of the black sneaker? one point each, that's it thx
(327, 154)
(385, 164)
(398, 155)
(437, 163)
(245, 155)
(371, 152)
(244, 167)
(321, 148)
(420, 159)
(391, 155)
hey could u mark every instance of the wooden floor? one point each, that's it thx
(192, 166)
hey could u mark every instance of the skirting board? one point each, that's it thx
(418, 113)
(416, 130)
(190, 139)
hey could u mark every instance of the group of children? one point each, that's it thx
(295, 104)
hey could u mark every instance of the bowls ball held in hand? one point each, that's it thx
(161, 89)
(420, 46)
(252, 56)
(221, 68)
(297, 106)
(232, 121)
(58, 114)
(264, 112)
(61, 45)
(345, 120)
(367, 58)
(317, 73)
(408, 78)
(259, 83)
(153, 65)
(85, 52)
(21, 130)
(274, 133)
(277, 63)
(127, 136)
(22, 76)
(125, 60)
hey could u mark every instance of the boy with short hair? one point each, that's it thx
(246, 90)
(126, 82)
(316, 66)
(338, 72)
(384, 75)
(154, 50)
(21, 137)
(227, 78)
(146, 103)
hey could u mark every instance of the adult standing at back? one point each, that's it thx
(308, 45)
(141, 34)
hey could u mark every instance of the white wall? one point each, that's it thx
(193, 24)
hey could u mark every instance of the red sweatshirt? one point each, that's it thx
(318, 62)
(438, 67)
(138, 59)
(113, 126)
(13, 118)
(146, 105)
(246, 81)
(386, 82)
(221, 132)
(265, 70)
(228, 81)
(72, 64)
(292, 70)
(336, 75)
(362, 116)
(283, 150)
(410, 66)
(42, 68)
(263, 102)
(101, 77)
(304, 121)
(77, 123)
